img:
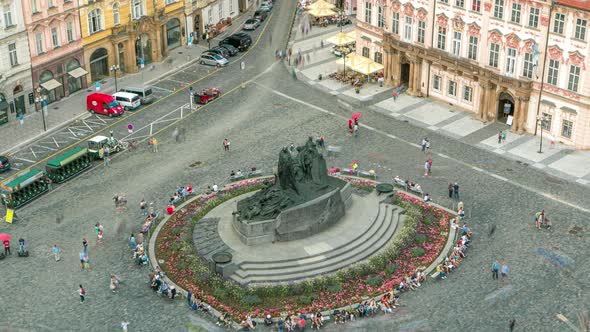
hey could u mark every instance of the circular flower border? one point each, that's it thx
(418, 244)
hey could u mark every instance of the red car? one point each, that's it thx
(207, 95)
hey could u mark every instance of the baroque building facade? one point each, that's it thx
(513, 61)
(16, 86)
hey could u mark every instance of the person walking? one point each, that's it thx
(226, 144)
(85, 245)
(154, 144)
(504, 134)
(427, 147)
(456, 190)
(114, 283)
(107, 159)
(450, 190)
(82, 293)
(82, 260)
(511, 324)
(356, 130)
(394, 95)
(504, 270)
(500, 137)
(423, 144)
(426, 166)
(132, 241)
(142, 207)
(429, 165)
(99, 237)
(124, 326)
(495, 268)
(6, 247)
(55, 250)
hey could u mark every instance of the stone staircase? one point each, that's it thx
(206, 239)
(370, 241)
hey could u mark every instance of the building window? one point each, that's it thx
(368, 12)
(457, 43)
(559, 23)
(444, 1)
(408, 28)
(70, 31)
(380, 17)
(12, 54)
(94, 21)
(527, 69)
(421, 31)
(467, 94)
(378, 57)
(510, 61)
(39, 42)
(169, 2)
(34, 6)
(50, 4)
(137, 9)
(574, 79)
(442, 37)
(7, 17)
(515, 15)
(494, 55)
(436, 83)
(395, 23)
(546, 125)
(452, 89)
(460, 3)
(365, 52)
(534, 17)
(210, 14)
(566, 128)
(476, 5)
(580, 29)
(499, 9)
(54, 37)
(116, 17)
(473, 41)
(553, 75)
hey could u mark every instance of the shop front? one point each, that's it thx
(75, 74)
(173, 34)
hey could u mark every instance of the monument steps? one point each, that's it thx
(367, 234)
(362, 247)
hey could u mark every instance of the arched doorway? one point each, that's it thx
(143, 49)
(49, 94)
(74, 83)
(505, 106)
(19, 99)
(404, 75)
(173, 33)
(99, 64)
(121, 49)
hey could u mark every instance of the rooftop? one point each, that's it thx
(580, 4)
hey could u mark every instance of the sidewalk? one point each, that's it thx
(560, 160)
(73, 107)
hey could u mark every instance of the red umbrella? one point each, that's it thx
(4, 237)
(356, 116)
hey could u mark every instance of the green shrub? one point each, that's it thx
(391, 268)
(252, 300)
(377, 263)
(420, 238)
(374, 281)
(182, 265)
(417, 252)
(296, 289)
(306, 299)
(220, 294)
(335, 288)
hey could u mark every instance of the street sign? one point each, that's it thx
(130, 128)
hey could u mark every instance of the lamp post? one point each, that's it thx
(114, 69)
(542, 121)
(191, 94)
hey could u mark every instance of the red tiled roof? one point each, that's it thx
(580, 4)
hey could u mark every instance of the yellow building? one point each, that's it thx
(129, 33)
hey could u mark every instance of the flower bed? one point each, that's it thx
(417, 244)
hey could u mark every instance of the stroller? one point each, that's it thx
(22, 250)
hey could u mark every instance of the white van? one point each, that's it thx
(144, 93)
(128, 100)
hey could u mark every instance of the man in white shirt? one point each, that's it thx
(215, 188)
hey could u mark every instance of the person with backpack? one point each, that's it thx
(495, 269)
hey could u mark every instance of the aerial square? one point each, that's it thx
(292, 165)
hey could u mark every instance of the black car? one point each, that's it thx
(241, 41)
(260, 15)
(230, 49)
(219, 50)
(4, 164)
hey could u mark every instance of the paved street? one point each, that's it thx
(548, 268)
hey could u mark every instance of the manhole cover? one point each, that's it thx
(383, 188)
(222, 257)
(195, 164)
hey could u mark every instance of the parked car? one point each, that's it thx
(145, 93)
(240, 40)
(265, 7)
(219, 50)
(129, 101)
(206, 95)
(266, 4)
(251, 24)
(4, 164)
(213, 60)
(260, 15)
(103, 104)
(230, 49)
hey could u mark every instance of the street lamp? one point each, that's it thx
(114, 69)
(191, 94)
(542, 120)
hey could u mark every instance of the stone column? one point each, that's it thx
(395, 68)
(387, 67)
(482, 111)
(491, 109)
(411, 80)
(524, 110)
(517, 110)
(418, 78)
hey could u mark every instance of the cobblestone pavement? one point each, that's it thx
(548, 268)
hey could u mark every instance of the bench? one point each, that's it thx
(255, 173)
(369, 174)
(435, 275)
(237, 177)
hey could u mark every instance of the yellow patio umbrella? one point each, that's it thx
(321, 12)
(352, 34)
(341, 39)
(353, 61)
(321, 4)
(367, 67)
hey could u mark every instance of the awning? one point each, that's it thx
(78, 72)
(567, 109)
(548, 103)
(51, 84)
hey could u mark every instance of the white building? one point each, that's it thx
(16, 87)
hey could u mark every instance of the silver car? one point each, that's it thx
(251, 24)
(213, 60)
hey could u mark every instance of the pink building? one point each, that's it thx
(53, 28)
